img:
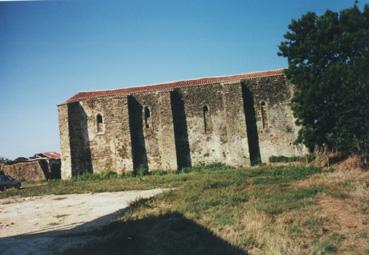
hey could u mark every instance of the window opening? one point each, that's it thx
(264, 117)
(99, 122)
(147, 117)
(205, 111)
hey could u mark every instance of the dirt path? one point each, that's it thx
(50, 224)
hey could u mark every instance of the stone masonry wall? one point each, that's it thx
(110, 147)
(166, 137)
(206, 140)
(237, 148)
(237, 123)
(80, 150)
(35, 170)
(65, 148)
(278, 131)
(157, 130)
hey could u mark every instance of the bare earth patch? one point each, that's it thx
(50, 224)
(344, 214)
(345, 219)
(344, 204)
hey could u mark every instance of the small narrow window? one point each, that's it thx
(264, 117)
(99, 122)
(147, 117)
(205, 112)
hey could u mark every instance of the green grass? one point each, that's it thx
(214, 210)
(110, 182)
(325, 247)
(98, 183)
(285, 159)
(210, 199)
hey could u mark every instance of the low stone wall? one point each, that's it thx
(35, 170)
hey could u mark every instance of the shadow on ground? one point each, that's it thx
(165, 234)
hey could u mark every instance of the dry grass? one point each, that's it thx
(344, 204)
(98, 183)
(221, 210)
(256, 211)
(313, 213)
(58, 216)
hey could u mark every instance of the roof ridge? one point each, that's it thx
(187, 80)
(164, 86)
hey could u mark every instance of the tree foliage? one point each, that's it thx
(328, 62)
(4, 160)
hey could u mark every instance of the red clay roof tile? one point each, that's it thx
(53, 155)
(171, 85)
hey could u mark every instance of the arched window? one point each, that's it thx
(264, 115)
(205, 112)
(99, 122)
(147, 116)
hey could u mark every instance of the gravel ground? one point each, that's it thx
(50, 224)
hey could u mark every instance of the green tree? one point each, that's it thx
(328, 63)
(4, 160)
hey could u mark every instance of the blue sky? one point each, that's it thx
(49, 50)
